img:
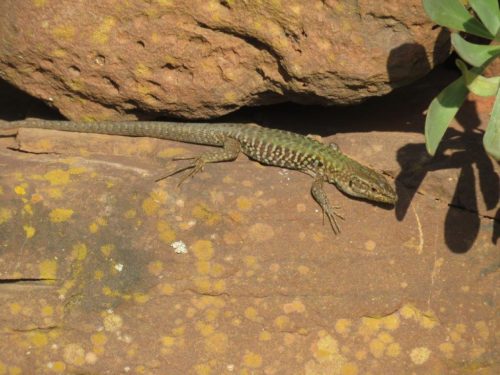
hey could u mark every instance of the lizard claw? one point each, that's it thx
(331, 213)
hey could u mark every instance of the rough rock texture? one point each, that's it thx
(91, 284)
(201, 59)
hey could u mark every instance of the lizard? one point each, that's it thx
(323, 162)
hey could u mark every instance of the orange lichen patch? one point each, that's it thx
(343, 326)
(29, 230)
(420, 355)
(60, 215)
(203, 250)
(165, 232)
(203, 213)
(5, 214)
(252, 360)
(48, 269)
(168, 341)
(217, 343)
(294, 307)
(74, 354)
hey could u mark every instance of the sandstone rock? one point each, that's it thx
(202, 59)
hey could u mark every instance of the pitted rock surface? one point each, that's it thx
(202, 59)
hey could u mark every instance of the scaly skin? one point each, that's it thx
(268, 146)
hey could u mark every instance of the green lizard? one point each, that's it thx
(324, 162)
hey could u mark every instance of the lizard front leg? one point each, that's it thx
(228, 152)
(320, 196)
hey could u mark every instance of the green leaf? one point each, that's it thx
(489, 14)
(476, 83)
(491, 139)
(452, 14)
(442, 110)
(474, 54)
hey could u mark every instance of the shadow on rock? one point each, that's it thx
(460, 150)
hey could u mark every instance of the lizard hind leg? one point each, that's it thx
(228, 152)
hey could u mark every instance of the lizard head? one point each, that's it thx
(362, 182)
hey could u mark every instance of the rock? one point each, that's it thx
(202, 59)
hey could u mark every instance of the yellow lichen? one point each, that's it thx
(101, 35)
(5, 215)
(420, 355)
(393, 349)
(60, 215)
(48, 269)
(79, 251)
(167, 289)
(202, 212)
(107, 249)
(20, 190)
(66, 32)
(203, 250)
(165, 232)
(252, 360)
(349, 368)
(74, 354)
(57, 177)
(155, 267)
(343, 326)
(29, 230)
(377, 348)
(217, 343)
